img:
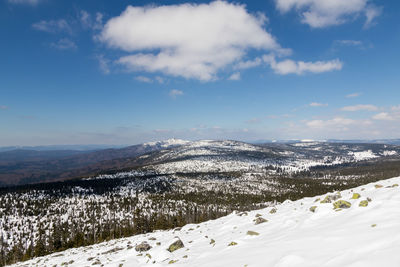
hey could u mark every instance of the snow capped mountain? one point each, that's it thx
(356, 227)
(167, 143)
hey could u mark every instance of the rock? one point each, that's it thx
(356, 196)
(144, 246)
(252, 233)
(272, 211)
(113, 250)
(341, 204)
(258, 215)
(158, 243)
(330, 198)
(260, 220)
(363, 203)
(232, 244)
(176, 245)
(373, 225)
(152, 238)
(313, 208)
(172, 261)
(212, 241)
(369, 200)
(242, 213)
(378, 186)
(97, 262)
(185, 256)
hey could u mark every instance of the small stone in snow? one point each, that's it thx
(252, 233)
(144, 246)
(175, 246)
(260, 220)
(313, 208)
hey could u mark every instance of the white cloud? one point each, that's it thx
(235, 76)
(289, 66)
(143, 79)
(392, 115)
(359, 108)
(396, 108)
(64, 44)
(52, 26)
(27, 2)
(187, 40)
(353, 95)
(383, 116)
(174, 93)
(323, 13)
(315, 104)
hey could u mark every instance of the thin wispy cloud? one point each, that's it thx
(143, 79)
(175, 93)
(320, 14)
(25, 2)
(3, 107)
(64, 44)
(360, 108)
(353, 95)
(235, 76)
(253, 121)
(89, 21)
(335, 122)
(316, 104)
(289, 66)
(349, 42)
(103, 64)
(53, 26)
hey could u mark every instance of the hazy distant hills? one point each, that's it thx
(60, 147)
(22, 166)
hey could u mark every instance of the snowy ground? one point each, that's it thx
(293, 236)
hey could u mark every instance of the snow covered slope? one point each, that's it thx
(293, 236)
(234, 156)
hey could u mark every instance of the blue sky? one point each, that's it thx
(126, 72)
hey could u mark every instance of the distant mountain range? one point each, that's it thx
(352, 141)
(22, 166)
